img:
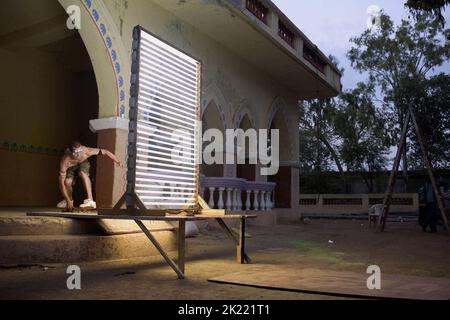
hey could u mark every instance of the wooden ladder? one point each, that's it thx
(392, 179)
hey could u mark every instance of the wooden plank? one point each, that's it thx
(215, 212)
(160, 249)
(430, 170)
(235, 238)
(138, 208)
(338, 283)
(131, 212)
(119, 203)
(202, 203)
(182, 245)
(241, 246)
(391, 184)
(95, 216)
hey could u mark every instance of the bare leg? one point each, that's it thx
(87, 185)
(69, 186)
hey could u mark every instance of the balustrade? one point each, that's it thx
(236, 194)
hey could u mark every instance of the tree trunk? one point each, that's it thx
(405, 149)
(333, 153)
(335, 157)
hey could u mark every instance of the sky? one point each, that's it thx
(330, 24)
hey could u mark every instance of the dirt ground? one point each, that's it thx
(325, 244)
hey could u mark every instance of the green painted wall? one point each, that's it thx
(34, 105)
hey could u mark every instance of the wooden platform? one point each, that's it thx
(339, 283)
(167, 218)
(179, 267)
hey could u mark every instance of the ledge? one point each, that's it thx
(108, 123)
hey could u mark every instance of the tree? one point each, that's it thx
(393, 56)
(362, 131)
(348, 131)
(317, 151)
(431, 101)
(429, 6)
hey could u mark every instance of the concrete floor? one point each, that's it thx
(324, 244)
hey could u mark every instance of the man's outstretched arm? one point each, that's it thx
(104, 152)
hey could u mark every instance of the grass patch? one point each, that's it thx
(322, 253)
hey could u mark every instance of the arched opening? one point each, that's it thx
(49, 94)
(212, 120)
(283, 179)
(246, 171)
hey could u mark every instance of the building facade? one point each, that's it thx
(60, 85)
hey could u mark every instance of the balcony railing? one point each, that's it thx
(313, 57)
(235, 194)
(258, 9)
(286, 34)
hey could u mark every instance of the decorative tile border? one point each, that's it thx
(102, 28)
(15, 147)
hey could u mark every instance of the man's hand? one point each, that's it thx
(107, 153)
(70, 206)
(120, 164)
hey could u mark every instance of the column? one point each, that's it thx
(221, 204)
(264, 200)
(235, 200)
(256, 202)
(211, 197)
(248, 204)
(112, 134)
(269, 200)
(229, 199)
(239, 199)
(202, 192)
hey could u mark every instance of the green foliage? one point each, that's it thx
(362, 130)
(399, 61)
(429, 6)
(355, 131)
(316, 135)
(431, 101)
(347, 131)
(391, 54)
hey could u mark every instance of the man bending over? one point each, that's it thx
(75, 162)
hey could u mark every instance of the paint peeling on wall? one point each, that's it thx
(180, 34)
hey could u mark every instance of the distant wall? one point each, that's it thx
(355, 203)
(362, 182)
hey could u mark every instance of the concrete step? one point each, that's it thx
(15, 222)
(34, 249)
(22, 225)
